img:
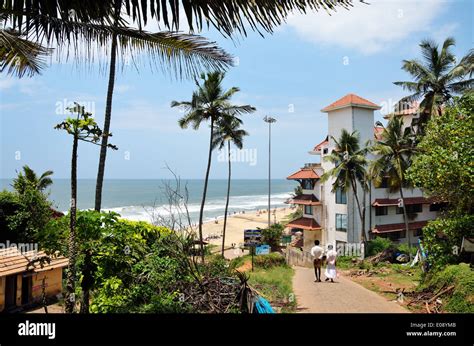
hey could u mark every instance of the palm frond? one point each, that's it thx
(19, 56)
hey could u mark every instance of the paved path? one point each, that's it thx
(342, 296)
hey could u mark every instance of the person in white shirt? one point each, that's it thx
(330, 272)
(317, 253)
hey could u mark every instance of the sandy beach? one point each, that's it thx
(237, 223)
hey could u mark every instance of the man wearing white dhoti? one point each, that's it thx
(330, 272)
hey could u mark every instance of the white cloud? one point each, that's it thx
(369, 28)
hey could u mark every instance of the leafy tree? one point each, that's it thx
(26, 211)
(228, 130)
(394, 153)
(209, 103)
(349, 171)
(272, 236)
(443, 166)
(83, 128)
(436, 79)
(28, 178)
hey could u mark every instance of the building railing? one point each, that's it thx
(312, 165)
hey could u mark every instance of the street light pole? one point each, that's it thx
(270, 121)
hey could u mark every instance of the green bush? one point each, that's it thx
(378, 245)
(442, 236)
(272, 235)
(461, 276)
(274, 259)
(404, 248)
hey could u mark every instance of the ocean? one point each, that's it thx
(139, 199)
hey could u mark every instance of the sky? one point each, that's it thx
(306, 64)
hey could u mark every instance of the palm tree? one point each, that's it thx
(436, 79)
(209, 103)
(349, 171)
(83, 128)
(394, 151)
(28, 178)
(230, 17)
(228, 130)
(18, 55)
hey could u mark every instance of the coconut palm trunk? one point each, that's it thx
(71, 274)
(204, 193)
(228, 196)
(405, 219)
(361, 211)
(108, 116)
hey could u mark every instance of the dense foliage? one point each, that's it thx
(444, 168)
(272, 235)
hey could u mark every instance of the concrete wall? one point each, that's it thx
(53, 283)
(53, 286)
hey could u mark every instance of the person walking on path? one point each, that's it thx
(317, 253)
(330, 272)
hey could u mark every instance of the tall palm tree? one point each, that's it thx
(230, 17)
(394, 153)
(228, 131)
(209, 103)
(83, 128)
(349, 171)
(28, 178)
(436, 79)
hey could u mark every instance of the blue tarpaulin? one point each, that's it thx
(263, 306)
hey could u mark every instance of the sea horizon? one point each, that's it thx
(141, 199)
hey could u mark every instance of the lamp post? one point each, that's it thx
(270, 121)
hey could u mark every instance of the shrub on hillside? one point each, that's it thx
(442, 238)
(268, 261)
(378, 245)
(461, 297)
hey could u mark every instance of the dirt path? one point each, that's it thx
(342, 296)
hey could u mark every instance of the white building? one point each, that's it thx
(333, 218)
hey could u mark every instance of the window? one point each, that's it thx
(308, 209)
(418, 232)
(411, 209)
(341, 222)
(325, 151)
(381, 211)
(341, 196)
(383, 184)
(394, 235)
(437, 206)
(307, 184)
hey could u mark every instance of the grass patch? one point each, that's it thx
(275, 284)
(272, 277)
(461, 298)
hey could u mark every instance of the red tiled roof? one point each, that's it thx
(350, 100)
(320, 145)
(382, 202)
(305, 173)
(13, 261)
(397, 227)
(305, 200)
(304, 223)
